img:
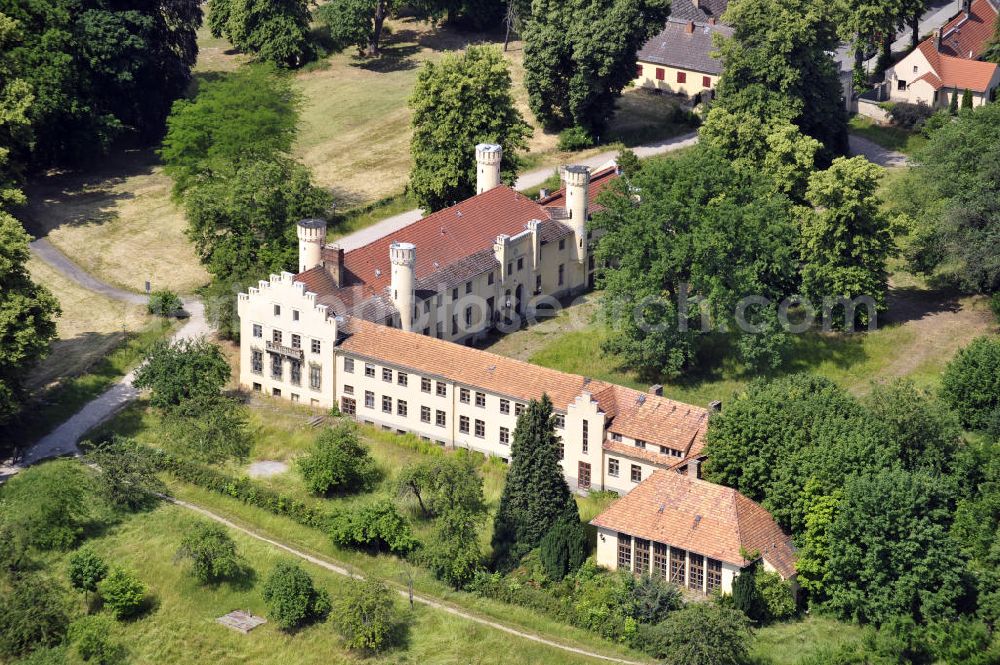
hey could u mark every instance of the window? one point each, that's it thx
(369, 369)
(706, 81)
(583, 476)
(277, 310)
(402, 378)
(638, 71)
(562, 244)
(276, 367)
(641, 556)
(682, 77)
(613, 465)
(369, 399)
(295, 315)
(520, 263)
(489, 278)
(639, 443)
(257, 387)
(256, 362)
(386, 404)
(624, 551)
(677, 566)
(296, 372)
(915, 68)
(480, 429)
(425, 384)
(660, 74)
(401, 407)
(615, 436)
(296, 341)
(468, 316)
(454, 294)
(586, 436)
(504, 436)
(636, 473)
(348, 390)
(425, 414)
(660, 560)
(348, 406)
(562, 449)
(505, 406)
(696, 571)
(258, 331)
(441, 388)
(276, 392)
(463, 395)
(349, 365)
(560, 420)
(713, 576)
(510, 267)
(276, 336)
(387, 375)
(316, 344)
(463, 424)
(562, 274)
(468, 288)
(439, 330)
(315, 376)
(439, 418)
(481, 400)
(518, 409)
(538, 283)
(454, 324)
(900, 84)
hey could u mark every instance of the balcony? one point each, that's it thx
(286, 351)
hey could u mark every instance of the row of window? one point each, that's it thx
(706, 81)
(277, 337)
(614, 468)
(670, 563)
(278, 369)
(639, 443)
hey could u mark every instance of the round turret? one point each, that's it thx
(312, 237)
(488, 158)
(403, 256)
(577, 182)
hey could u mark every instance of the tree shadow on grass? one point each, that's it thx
(912, 304)
(394, 58)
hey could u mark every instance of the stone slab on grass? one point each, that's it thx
(241, 621)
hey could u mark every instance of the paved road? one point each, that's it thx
(875, 153)
(525, 181)
(423, 600)
(63, 439)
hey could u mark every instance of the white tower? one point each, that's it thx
(488, 157)
(404, 274)
(577, 181)
(312, 237)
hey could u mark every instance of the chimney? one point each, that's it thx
(543, 194)
(335, 266)
(711, 20)
(715, 406)
(937, 39)
(697, 4)
(967, 8)
(656, 389)
(689, 28)
(694, 468)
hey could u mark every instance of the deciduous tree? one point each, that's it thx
(182, 370)
(459, 102)
(48, 503)
(971, 382)
(126, 474)
(212, 553)
(701, 634)
(123, 593)
(274, 31)
(357, 23)
(33, 614)
(339, 462)
(442, 484)
(366, 616)
(291, 598)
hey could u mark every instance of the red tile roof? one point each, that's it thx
(966, 36)
(963, 40)
(657, 420)
(705, 518)
(598, 181)
(956, 73)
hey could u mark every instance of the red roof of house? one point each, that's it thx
(713, 520)
(962, 41)
(967, 35)
(957, 73)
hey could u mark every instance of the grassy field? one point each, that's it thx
(181, 628)
(891, 138)
(118, 223)
(788, 643)
(89, 327)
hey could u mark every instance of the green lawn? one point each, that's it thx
(891, 138)
(181, 628)
(788, 643)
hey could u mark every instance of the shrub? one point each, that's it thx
(164, 303)
(700, 634)
(46, 505)
(935, 122)
(86, 570)
(91, 636)
(377, 526)
(46, 656)
(211, 551)
(178, 371)
(338, 462)
(776, 596)
(291, 598)
(123, 593)
(995, 305)
(656, 599)
(575, 138)
(564, 549)
(604, 602)
(971, 382)
(453, 553)
(211, 429)
(910, 116)
(127, 476)
(33, 614)
(366, 616)
(746, 595)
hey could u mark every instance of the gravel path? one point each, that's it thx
(423, 600)
(875, 153)
(525, 181)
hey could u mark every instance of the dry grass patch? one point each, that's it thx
(118, 223)
(90, 326)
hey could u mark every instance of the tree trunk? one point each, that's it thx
(380, 13)
(915, 26)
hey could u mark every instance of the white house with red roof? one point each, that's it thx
(948, 63)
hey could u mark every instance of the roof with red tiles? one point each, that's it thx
(956, 73)
(653, 418)
(702, 517)
(598, 181)
(963, 40)
(967, 34)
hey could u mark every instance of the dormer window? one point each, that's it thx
(639, 443)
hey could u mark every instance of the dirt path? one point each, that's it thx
(423, 600)
(875, 153)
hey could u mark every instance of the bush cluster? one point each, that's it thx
(377, 526)
(575, 138)
(910, 116)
